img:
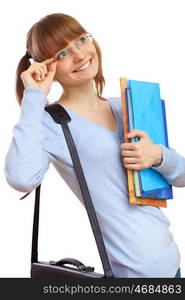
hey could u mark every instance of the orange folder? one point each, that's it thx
(131, 189)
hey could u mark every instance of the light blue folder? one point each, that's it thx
(148, 114)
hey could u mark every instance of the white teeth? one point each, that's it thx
(83, 67)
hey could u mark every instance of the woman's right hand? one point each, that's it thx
(40, 75)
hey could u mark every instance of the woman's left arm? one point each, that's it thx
(145, 154)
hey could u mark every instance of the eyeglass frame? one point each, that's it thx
(68, 49)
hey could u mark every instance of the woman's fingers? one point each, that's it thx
(44, 70)
(48, 61)
(47, 69)
(46, 64)
(130, 160)
(129, 146)
(135, 167)
(128, 153)
(52, 70)
(40, 75)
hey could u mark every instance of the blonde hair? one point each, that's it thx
(48, 36)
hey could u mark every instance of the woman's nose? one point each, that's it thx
(78, 54)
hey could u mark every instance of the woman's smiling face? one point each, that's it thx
(77, 63)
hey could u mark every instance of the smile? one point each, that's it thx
(86, 65)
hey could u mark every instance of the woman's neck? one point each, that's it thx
(81, 97)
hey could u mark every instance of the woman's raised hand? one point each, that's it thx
(40, 75)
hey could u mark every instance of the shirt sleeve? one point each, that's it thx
(172, 167)
(26, 162)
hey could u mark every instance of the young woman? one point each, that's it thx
(137, 238)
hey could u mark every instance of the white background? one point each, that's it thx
(142, 40)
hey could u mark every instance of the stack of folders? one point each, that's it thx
(144, 110)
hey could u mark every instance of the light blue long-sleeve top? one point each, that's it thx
(137, 238)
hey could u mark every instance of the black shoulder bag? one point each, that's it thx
(60, 269)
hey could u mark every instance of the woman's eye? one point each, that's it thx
(63, 53)
(82, 40)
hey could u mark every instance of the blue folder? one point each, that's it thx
(148, 114)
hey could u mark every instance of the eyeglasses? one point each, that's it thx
(81, 43)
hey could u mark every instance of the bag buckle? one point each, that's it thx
(86, 269)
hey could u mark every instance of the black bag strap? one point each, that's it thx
(60, 116)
